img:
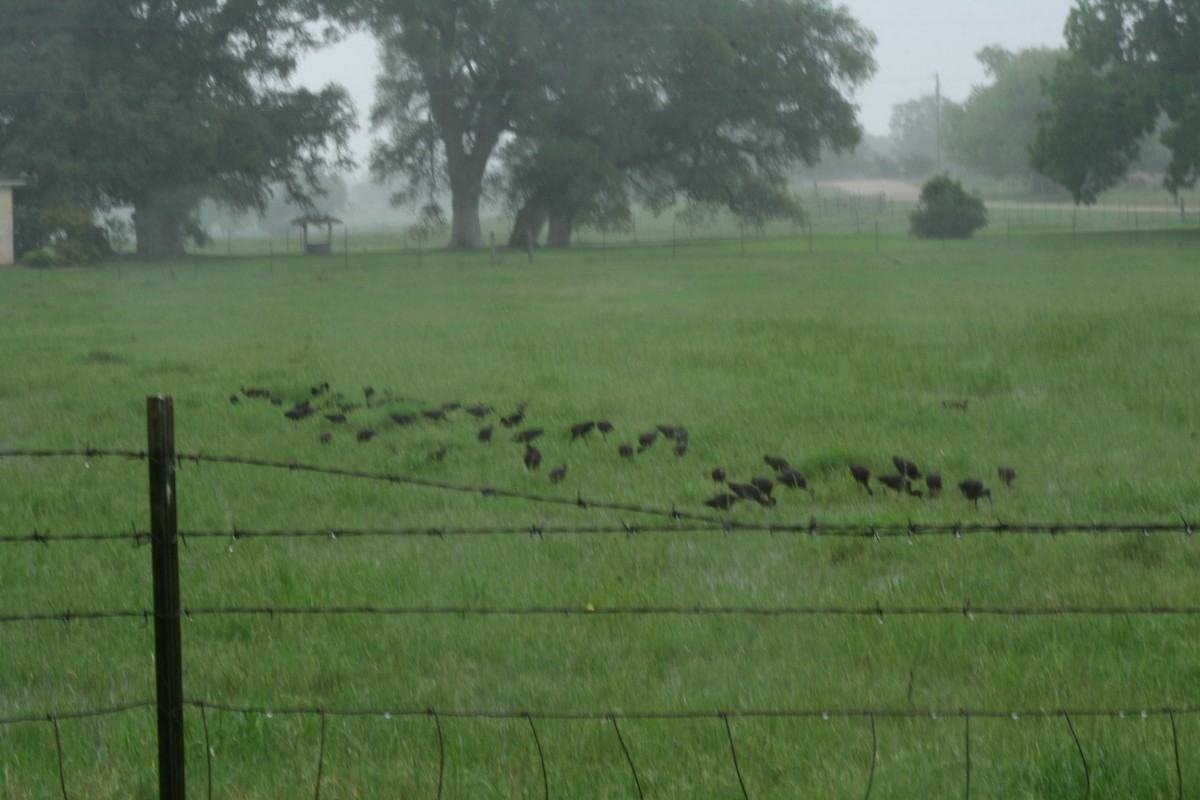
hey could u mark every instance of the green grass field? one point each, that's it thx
(1076, 357)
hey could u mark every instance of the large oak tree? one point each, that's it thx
(159, 104)
(597, 102)
(1134, 68)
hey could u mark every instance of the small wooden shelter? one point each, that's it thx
(7, 184)
(318, 246)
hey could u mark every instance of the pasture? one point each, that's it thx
(1075, 357)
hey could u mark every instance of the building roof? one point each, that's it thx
(318, 219)
(6, 180)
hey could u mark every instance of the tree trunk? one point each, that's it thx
(529, 222)
(559, 236)
(161, 222)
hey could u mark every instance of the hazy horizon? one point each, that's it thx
(916, 40)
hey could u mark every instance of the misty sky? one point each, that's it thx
(916, 39)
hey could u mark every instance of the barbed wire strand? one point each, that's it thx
(812, 528)
(733, 754)
(874, 759)
(695, 714)
(85, 453)
(1087, 773)
(628, 758)
(321, 756)
(62, 778)
(966, 611)
(85, 714)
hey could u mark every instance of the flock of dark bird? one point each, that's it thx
(337, 409)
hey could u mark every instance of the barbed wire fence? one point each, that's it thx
(170, 702)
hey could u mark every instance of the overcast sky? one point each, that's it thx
(916, 40)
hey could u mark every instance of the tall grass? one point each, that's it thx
(1076, 360)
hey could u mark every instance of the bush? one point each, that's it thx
(38, 258)
(946, 211)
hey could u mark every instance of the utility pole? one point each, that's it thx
(937, 116)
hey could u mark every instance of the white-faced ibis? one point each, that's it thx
(365, 435)
(626, 450)
(533, 457)
(326, 437)
(973, 489)
(558, 473)
(512, 420)
(723, 501)
(933, 482)
(435, 414)
(668, 431)
(718, 474)
(479, 410)
(604, 426)
(1007, 475)
(485, 433)
(748, 491)
(681, 447)
(580, 429)
(906, 468)
(400, 418)
(862, 475)
(793, 478)
(301, 410)
(646, 439)
(764, 485)
(776, 462)
(527, 435)
(897, 483)
(337, 417)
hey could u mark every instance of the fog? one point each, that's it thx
(917, 39)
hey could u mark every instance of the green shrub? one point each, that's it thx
(946, 211)
(38, 258)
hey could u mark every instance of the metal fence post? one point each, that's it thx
(168, 651)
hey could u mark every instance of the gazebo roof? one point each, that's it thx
(316, 219)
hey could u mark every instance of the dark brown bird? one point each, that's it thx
(933, 482)
(580, 429)
(748, 491)
(626, 450)
(646, 439)
(776, 463)
(233, 398)
(681, 433)
(558, 473)
(319, 389)
(1007, 475)
(301, 410)
(326, 437)
(338, 417)
(793, 478)
(906, 468)
(400, 418)
(528, 435)
(604, 426)
(453, 405)
(973, 489)
(254, 392)
(439, 454)
(533, 457)
(485, 433)
(764, 485)
(276, 401)
(862, 475)
(681, 447)
(718, 474)
(669, 431)
(723, 501)
(512, 420)
(365, 434)
(435, 414)
(897, 483)
(368, 392)
(479, 411)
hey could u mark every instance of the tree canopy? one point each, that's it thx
(158, 104)
(1134, 68)
(919, 131)
(597, 102)
(998, 122)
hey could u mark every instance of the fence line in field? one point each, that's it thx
(165, 536)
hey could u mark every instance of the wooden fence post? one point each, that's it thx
(164, 545)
